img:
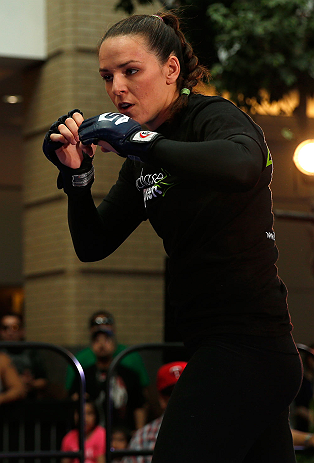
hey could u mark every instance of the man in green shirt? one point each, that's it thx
(86, 357)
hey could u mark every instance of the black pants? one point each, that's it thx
(231, 404)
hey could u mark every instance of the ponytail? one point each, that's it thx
(192, 73)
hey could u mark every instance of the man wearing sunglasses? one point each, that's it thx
(87, 358)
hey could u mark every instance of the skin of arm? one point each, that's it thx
(14, 388)
(301, 438)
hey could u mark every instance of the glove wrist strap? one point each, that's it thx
(82, 180)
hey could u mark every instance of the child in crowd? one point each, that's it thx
(95, 437)
(120, 439)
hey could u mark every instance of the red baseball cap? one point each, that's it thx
(169, 374)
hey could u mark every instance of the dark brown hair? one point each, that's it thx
(164, 37)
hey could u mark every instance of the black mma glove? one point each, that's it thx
(123, 133)
(71, 180)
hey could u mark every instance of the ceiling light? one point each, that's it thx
(12, 99)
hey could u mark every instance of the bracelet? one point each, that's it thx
(308, 437)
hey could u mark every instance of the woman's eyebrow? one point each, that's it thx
(122, 65)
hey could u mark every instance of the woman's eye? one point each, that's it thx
(130, 72)
(106, 77)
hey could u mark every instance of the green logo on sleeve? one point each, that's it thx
(269, 159)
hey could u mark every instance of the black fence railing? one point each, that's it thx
(304, 454)
(110, 453)
(16, 417)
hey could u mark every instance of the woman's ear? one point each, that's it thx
(172, 69)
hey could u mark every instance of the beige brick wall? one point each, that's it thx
(61, 304)
(61, 292)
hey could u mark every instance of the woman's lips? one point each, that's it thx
(124, 106)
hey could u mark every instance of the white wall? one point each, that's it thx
(23, 29)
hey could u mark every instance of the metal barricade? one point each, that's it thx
(305, 348)
(80, 375)
(110, 452)
(301, 450)
(139, 347)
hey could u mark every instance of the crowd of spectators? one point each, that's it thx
(23, 377)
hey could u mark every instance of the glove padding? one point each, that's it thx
(123, 133)
(68, 178)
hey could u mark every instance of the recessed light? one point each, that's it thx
(12, 99)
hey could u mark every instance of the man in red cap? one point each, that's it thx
(145, 438)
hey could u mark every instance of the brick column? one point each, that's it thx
(61, 292)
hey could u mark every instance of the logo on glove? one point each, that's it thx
(120, 119)
(144, 136)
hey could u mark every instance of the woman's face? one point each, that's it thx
(137, 83)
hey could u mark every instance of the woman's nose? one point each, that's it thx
(118, 85)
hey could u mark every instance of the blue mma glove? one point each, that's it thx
(123, 133)
(69, 179)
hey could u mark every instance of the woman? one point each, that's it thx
(201, 175)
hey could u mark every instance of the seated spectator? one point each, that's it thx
(27, 361)
(86, 357)
(145, 438)
(126, 392)
(120, 438)
(11, 386)
(95, 437)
